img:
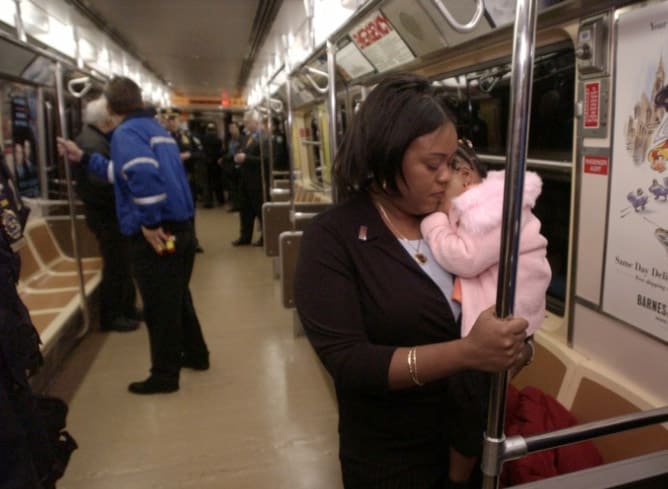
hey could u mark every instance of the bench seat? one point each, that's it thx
(49, 281)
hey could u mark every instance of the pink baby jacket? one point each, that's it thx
(467, 242)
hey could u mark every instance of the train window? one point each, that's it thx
(481, 103)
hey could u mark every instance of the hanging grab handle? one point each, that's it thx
(318, 88)
(454, 23)
(84, 80)
(276, 104)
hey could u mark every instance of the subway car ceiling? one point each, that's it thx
(242, 50)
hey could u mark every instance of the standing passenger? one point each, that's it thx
(213, 149)
(231, 168)
(155, 208)
(375, 305)
(250, 181)
(117, 291)
(189, 152)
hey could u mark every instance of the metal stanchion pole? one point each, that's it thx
(70, 198)
(518, 130)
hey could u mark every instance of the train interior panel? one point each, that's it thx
(258, 97)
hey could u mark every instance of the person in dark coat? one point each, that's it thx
(190, 151)
(230, 168)
(213, 150)
(250, 180)
(117, 290)
(378, 309)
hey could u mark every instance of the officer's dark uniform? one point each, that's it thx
(189, 143)
(230, 172)
(117, 291)
(28, 460)
(213, 148)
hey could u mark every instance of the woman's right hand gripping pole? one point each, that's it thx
(496, 344)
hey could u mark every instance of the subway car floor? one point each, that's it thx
(263, 416)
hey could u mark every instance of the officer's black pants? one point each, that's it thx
(173, 327)
(117, 291)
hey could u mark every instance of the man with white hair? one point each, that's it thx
(250, 180)
(117, 290)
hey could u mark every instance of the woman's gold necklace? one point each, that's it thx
(419, 256)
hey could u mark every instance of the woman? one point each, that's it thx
(375, 305)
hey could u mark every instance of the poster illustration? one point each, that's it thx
(636, 263)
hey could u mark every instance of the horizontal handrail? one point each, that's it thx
(64, 218)
(564, 166)
(50, 202)
(297, 216)
(518, 446)
(276, 192)
(310, 142)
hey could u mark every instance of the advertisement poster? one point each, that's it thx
(380, 43)
(636, 265)
(351, 61)
(19, 141)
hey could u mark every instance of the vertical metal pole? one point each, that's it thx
(288, 135)
(41, 146)
(270, 135)
(291, 149)
(309, 7)
(70, 198)
(518, 129)
(18, 21)
(331, 106)
(263, 156)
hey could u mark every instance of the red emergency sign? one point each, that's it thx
(592, 105)
(597, 165)
(373, 31)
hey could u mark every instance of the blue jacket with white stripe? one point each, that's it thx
(150, 183)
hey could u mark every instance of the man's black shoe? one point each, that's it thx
(121, 324)
(195, 364)
(199, 249)
(154, 385)
(241, 242)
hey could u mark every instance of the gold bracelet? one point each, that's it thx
(412, 366)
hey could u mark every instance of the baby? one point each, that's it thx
(465, 238)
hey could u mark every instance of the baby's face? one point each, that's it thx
(463, 175)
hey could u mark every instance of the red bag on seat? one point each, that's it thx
(531, 412)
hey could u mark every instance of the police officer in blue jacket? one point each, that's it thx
(155, 209)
